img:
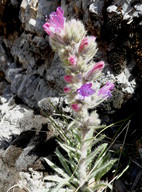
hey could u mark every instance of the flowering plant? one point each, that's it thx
(84, 166)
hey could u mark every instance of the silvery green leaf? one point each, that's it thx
(99, 172)
(60, 185)
(93, 154)
(71, 125)
(64, 162)
(57, 169)
(68, 149)
(100, 157)
(54, 178)
(118, 176)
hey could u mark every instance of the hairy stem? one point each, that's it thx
(85, 146)
(82, 167)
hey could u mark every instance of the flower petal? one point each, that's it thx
(55, 23)
(105, 91)
(86, 90)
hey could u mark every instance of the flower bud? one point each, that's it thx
(68, 78)
(72, 59)
(96, 69)
(88, 48)
(75, 107)
(67, 89)
(74, 31)
(85, 42)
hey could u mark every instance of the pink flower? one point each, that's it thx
(55, 23)
(105, 91)
(67, 89)
(97, 67)
(68, 78)
(85, 42)
(86, 90)
(72, 59)
(75, 107)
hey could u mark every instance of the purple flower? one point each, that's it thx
(55, 23)
(105, 91)
(86, 90)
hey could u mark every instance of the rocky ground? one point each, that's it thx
(30, 73)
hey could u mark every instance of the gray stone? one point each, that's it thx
(32, 14)
(112, 8)
(119, 185)
(12, 71)
(55, 74)
(17, 118)
(96, 7)
(25, 160)
(8, 176)
(4, 60)
(128, 11)
(15, 3)
(20, 51)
